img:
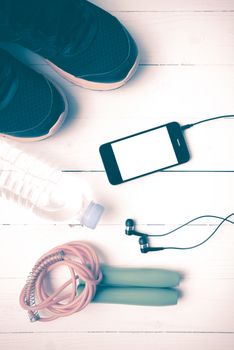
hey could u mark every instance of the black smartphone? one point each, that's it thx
(144, 153)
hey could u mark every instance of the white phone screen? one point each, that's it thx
(144, 153)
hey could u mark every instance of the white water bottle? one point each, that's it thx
(48, 192)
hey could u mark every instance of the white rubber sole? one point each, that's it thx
(90, 84)
(52, 130)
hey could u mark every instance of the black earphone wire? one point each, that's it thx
(190, 221)
(187, 126)
(226, 219)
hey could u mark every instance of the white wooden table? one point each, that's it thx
(186, 74)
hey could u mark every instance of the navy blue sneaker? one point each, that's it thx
(31, 107)
(81, 41)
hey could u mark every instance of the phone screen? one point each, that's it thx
(144, 153)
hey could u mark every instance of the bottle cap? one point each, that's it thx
(92, 215)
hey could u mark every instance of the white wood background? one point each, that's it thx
(186, 74)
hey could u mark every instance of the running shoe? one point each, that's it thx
(31, 107)
(81, 41)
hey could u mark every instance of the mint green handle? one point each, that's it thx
(139, 277)
(134, 295)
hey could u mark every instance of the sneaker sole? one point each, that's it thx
(52, 130)
(90, 84)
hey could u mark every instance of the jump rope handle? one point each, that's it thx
(134, 295)
(139, 277)
(136, 286)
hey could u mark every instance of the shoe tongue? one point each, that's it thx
(8, 82)
(52, 27)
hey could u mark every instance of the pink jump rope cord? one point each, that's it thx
(82, 262)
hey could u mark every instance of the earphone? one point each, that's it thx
(144, 237)
(143, 240)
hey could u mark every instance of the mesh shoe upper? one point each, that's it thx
(75, 35)
(29, 104)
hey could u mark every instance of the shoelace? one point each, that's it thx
(50, 27)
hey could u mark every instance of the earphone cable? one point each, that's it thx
(201, 243)
(192, 220)
(187, 126)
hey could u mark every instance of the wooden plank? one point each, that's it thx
(23, 245)
(208, 301)
(166, 5)
(190, 48)
(155, 96)
(159, 198)
(207, 287)
(114, 341)
(177, 38)
(207, 38)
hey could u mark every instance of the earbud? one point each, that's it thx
(130, 228)
(144, 244)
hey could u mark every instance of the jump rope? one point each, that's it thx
(152, 287)
(91, 281)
